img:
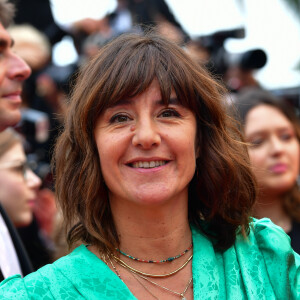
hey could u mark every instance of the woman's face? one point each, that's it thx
(17, 194)
(147, 150)
(274, 153)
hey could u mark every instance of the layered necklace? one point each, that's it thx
(169, 259)
(142, 276)
(131, 269)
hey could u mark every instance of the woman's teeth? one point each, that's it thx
(148, 164)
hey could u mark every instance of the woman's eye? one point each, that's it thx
(168, 113)
(256, 142)
(19, 169)
(119, 118)
(286, 137)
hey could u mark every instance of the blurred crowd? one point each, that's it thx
(45, 101)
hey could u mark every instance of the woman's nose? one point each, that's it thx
(32, 180)
(146, 134)
(277, 146)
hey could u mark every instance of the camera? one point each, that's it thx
(220, 60)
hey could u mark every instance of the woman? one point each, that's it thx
(19, 195)
(18, 184)
(27, 206)
(273, 132)
(153, 179)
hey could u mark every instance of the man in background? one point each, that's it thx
(13, 71)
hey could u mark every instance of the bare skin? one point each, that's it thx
(158, 236)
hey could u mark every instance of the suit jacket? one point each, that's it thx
(24, 261)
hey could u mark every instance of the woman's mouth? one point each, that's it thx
(31, 203)
(148, 164)
(278, 168)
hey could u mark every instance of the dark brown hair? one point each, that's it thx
(222, 191)
(253, 97)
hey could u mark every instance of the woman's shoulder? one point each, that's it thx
(270, 247)
(40, 284)
(271, 241)
(79, 275)
(258, 225)
(30, 287)
(267, 235)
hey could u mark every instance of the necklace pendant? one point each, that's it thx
(183, 298)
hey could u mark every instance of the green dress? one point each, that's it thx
(262, 267)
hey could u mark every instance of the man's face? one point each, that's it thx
(13, 71)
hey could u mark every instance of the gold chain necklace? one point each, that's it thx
(135, 276)
(154, 283)
(115, 269)
(165, 288)
(126, 266)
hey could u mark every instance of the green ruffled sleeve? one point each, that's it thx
(79, 275)
(282, 263)
(13, 288)
(33, 286)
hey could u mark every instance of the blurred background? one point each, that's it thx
(244, 43)
(272, 25)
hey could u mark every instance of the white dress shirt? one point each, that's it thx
(9, 262)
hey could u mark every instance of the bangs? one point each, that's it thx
(135, 66)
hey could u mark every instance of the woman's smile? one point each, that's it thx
(147, 163)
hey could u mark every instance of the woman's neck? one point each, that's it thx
(270, 206)
(154, 232)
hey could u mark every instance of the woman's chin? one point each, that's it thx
(23, 221)
(151, 200)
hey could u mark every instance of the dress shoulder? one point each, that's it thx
(79, 275)
(271, 239)
(16, 287)
(282, 263)
(45, 284)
